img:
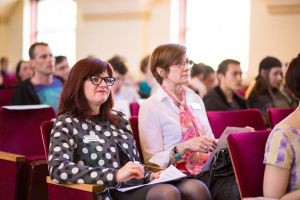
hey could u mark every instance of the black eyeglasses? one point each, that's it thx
(97, 80)
(184, 64)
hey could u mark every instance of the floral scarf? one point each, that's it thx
(190, 128)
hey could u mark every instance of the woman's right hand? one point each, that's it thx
(129, 171)
(198, 144)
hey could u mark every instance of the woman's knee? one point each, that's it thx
(163, 191)
(194, 189)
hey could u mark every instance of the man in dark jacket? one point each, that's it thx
(223, 97)
(42, 88)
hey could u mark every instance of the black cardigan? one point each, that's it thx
(216, 100)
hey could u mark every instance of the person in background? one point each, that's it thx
(209, 79)
(123, 92)
(4, 64)
(42, 88)
(266, 90)
(224, 97)
(6, 79)
(282, 153)
(90, 143)
(197, 76)
(62, 68)
(24, 71)
(149, 82)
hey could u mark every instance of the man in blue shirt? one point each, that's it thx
(43, 87)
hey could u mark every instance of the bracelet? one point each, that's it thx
(176, 154)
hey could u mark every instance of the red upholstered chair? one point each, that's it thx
(46, 128)
(6, 96)
(247, 154)
(219, 120)
(275, 115)
(134, 123)
(10, 80)
(22, 160)
(134, 108)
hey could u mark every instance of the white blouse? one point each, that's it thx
(159, 126)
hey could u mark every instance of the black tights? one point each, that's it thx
(186, 189)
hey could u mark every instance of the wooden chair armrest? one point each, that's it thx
(12, 157)
(79, 186)
(154, 168)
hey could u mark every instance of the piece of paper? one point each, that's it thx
(169, 174)
(222, 142)
(26, 107)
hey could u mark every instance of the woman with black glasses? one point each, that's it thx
(92, 144)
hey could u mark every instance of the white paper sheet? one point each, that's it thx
(169, 174)
(222, 142)
(26, 107)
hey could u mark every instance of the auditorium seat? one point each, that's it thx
(247, 154)
(22, 160)
(275, 115)
(219, 120)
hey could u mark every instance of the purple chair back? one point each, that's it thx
(6, 96)
(46, 128)
(134, 122)
(247, 154)
(275, 115)
(219, 120)
(134, 108)
(19, 130)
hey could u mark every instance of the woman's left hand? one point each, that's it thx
(154, 176)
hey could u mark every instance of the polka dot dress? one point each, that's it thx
(88, 151)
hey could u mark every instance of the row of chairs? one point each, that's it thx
(246, 150)
(24, 152)
(254, 118)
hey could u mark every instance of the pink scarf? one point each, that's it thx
(190, 128)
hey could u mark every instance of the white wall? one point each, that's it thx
(131, 29)
(272, 34)
(11, 35)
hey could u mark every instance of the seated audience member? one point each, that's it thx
(224, 97)
(92, 144)
(149, 82)
(123, 92)
(42, 88)
(282, 153)
(4, 64)
(266, 93)
(1, 81)
(196, 84)
(6, 79)
(24, 71)
(173, 125)
(209, 77)
(62, 68)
